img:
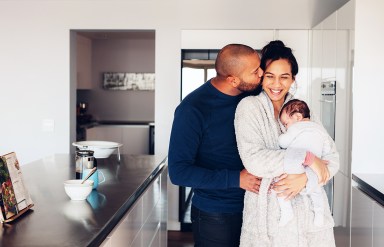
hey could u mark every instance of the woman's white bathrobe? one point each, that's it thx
(257, 133)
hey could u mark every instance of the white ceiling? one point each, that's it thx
(254, 14)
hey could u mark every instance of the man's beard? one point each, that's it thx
(247, 87)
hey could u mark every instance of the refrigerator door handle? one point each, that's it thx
(326, 101)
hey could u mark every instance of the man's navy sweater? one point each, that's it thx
(203, 152)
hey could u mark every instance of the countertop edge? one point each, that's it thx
(112, 223)
(95, 123)
(369, 190)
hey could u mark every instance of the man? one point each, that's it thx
(203, 152)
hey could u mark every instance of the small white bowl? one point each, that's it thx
(102, 149)
(76, 190)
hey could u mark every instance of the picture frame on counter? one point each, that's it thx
(128, 81)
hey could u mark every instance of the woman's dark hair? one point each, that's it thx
(296, 106)
(276, 50)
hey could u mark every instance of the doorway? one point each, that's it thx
(95, 53)
(197, 67)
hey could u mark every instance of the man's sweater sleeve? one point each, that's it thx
(186, 135)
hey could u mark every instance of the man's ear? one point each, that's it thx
(233, 80)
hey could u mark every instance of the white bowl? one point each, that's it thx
(76, 190)
(102, 149)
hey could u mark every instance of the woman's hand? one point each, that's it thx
(319, 166)
(290, 185)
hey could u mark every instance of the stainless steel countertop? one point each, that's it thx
(371, 184)
(55, 220)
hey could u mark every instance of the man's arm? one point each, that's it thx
(186, 135)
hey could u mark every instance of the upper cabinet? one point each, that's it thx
(84, 62)
(298, 41)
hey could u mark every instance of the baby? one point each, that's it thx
(305, 134)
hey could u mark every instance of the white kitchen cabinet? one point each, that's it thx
(145, 224)
(378, 225)
(298, 41)
(341, 200)
(367, 224)
(329, 27)
(328, 70)
(107, 242)
(361, 219)
(316, 66)
(84, 62)
(105, 133)
(135, 138)
(127, 232)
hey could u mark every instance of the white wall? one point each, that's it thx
(368, 88)
(35, 57)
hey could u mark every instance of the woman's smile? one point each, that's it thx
(276, 91)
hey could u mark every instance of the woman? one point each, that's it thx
(257, 131)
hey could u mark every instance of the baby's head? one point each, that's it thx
(294, 111)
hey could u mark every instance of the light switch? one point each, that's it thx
(48, 125)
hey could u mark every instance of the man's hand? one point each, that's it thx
(319, 166)
(290, 185)
(249, 182)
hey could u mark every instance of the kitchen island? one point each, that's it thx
(371, 184)
(129, 208)
(367, 217)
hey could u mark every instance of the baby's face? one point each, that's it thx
(287, 120)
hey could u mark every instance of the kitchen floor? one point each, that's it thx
(185, 239)
(180, 239)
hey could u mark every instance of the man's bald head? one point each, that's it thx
(230, 61)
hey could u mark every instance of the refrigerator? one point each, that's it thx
(328, 114)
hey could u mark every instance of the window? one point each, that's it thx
(198, 66)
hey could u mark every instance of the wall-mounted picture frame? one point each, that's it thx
(128, 81)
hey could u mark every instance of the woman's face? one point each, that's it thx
(277, 80)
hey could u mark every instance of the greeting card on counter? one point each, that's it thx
(14, 197)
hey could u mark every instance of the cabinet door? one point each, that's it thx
(341, 200)
(298, 41)
(146, 223)
(107, 242)
(361, 222)
(135, 139)
(378, 225)
(329, 47)
(316, 60)
(342, 209)
(93, 134)
(105, 133)
(128, 231)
